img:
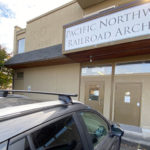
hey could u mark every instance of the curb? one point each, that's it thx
(134, 138)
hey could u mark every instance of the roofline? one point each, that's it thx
(57, 61)
(21, 31)
(52, 11)
(40, 60)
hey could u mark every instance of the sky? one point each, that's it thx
(18, 12)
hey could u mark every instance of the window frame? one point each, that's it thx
(24, 137)
(18, 77)
(27, 134)
(84, 128)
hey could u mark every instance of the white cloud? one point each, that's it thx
(24, 11)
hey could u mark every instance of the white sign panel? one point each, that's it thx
(125, 24)
(127, 99)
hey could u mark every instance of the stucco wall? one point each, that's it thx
(48, 29)
(18, 83)
(59, 78)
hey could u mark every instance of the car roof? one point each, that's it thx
(18, 119)
(8, 112)
(16, 100)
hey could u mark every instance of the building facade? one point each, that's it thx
(98, 49)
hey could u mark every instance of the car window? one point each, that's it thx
(3, 146)
(21, 144)
(61, 135)
(96, 126)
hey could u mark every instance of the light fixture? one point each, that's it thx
(91, 59)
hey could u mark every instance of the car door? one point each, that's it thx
(98, 131)
(62, 133)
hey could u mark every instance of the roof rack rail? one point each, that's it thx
(62, 96)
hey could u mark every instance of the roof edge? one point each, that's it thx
(21, 31)
(40, 60)
(52, 11)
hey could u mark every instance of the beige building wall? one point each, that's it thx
(47, 30)
(59, 78)
(18, 83)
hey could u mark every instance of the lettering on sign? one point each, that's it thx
(125, 24)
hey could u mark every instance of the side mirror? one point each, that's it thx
(116, 131)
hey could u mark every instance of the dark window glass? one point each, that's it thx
(61, 135)
(20, 145)
(20, 75)
(96, 126)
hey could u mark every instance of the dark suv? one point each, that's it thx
(55, 125)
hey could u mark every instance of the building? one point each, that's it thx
(99, 49)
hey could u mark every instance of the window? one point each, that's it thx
(96, 70)
(62, 135)
(3, 146)
(22, 144)
(21, 45)
(94, 94)
(133, 68)
(96, 126)
(20, 75)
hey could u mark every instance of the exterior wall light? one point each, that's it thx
(91, 59)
